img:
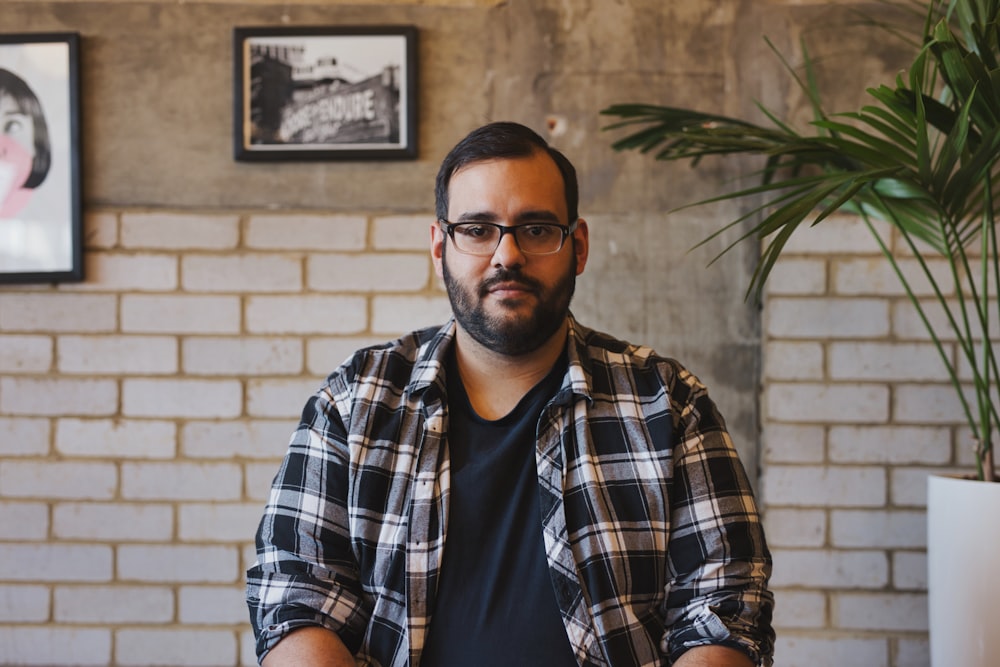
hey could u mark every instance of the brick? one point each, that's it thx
(279, 398)
(402, 232)
(394, 315)
(58, 396)
(178, 564)
(177, 231)
(306, 314)
(840, 486)
(58, 312)
(114, 604)
(23, 520)
(181, 481)
(889, 444)
(242, 356)
(182, 398)
(885, 361)
(193, 314)
(913, 652)
(24, 604)
(306, 232)
(118, 438)
(907, 324)
(54, 646)
(838, 234)
(119, 522)
(870, 611)
(793, 443)
(878, 529)
(25, 354)
(192, 648)
(795, 528)
(249, 556)
(831, 651)
(100, 230)
(826, 318)
(324, 355)
(387, 272)
(248, 649)
(258, 480)
(909, 486)
(829, 569)
(793, 361)
(55, 562)
(119, 355)
(24, 436)
(144, 272)
(212, 605)
(927, 404)
(797, 275)
(74, 480)
(218, 522)
(242, 273)
(875, 276)
(799, 609)
(909, 570)
(253, 439)
(827, 403)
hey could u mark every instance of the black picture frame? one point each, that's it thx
(41, 228)
(325, 93)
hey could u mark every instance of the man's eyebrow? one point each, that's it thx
(542, 215)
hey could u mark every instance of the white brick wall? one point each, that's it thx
(143, 413)
(856, 413)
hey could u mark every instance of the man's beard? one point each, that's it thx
(511, 336)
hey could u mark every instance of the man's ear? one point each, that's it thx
(437, 248)
(581, 245)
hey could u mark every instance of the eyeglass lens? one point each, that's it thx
(483, 238)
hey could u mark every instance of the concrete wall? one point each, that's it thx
(143, 411)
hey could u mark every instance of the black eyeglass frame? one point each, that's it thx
(566, 230)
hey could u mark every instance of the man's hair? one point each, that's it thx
(14, 86)
(500, 141)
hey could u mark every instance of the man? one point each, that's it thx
(512, 488)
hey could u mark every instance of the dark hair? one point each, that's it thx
(25, 98)
(502, 140)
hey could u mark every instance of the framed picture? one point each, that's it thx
(40, 225)
(325, 93)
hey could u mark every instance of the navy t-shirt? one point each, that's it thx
(495, 603)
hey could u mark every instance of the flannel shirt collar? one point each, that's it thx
(433, 354)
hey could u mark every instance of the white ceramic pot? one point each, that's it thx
(963, 571)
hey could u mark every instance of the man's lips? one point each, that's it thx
(507, 288)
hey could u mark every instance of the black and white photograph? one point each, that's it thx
(325, 93)
(40, 223)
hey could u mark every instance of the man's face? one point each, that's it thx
(509, 302)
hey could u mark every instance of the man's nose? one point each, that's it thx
(508, 252)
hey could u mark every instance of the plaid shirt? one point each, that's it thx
(652, 536)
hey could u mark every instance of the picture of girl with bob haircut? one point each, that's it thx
(25, 154)
(41, 227)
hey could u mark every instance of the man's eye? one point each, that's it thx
(474, 231)
(538, 231)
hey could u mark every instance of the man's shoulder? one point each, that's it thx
(395, 360)
(602, 347)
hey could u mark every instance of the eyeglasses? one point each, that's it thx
(483, 238)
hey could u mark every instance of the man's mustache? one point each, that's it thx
(508, 276)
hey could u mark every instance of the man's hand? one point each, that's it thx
(309, 647)
(713, 656)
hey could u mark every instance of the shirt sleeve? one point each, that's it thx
(717, 552)
(305, 572)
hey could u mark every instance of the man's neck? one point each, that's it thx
(494, 382)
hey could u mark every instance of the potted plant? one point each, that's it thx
(921, 162)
